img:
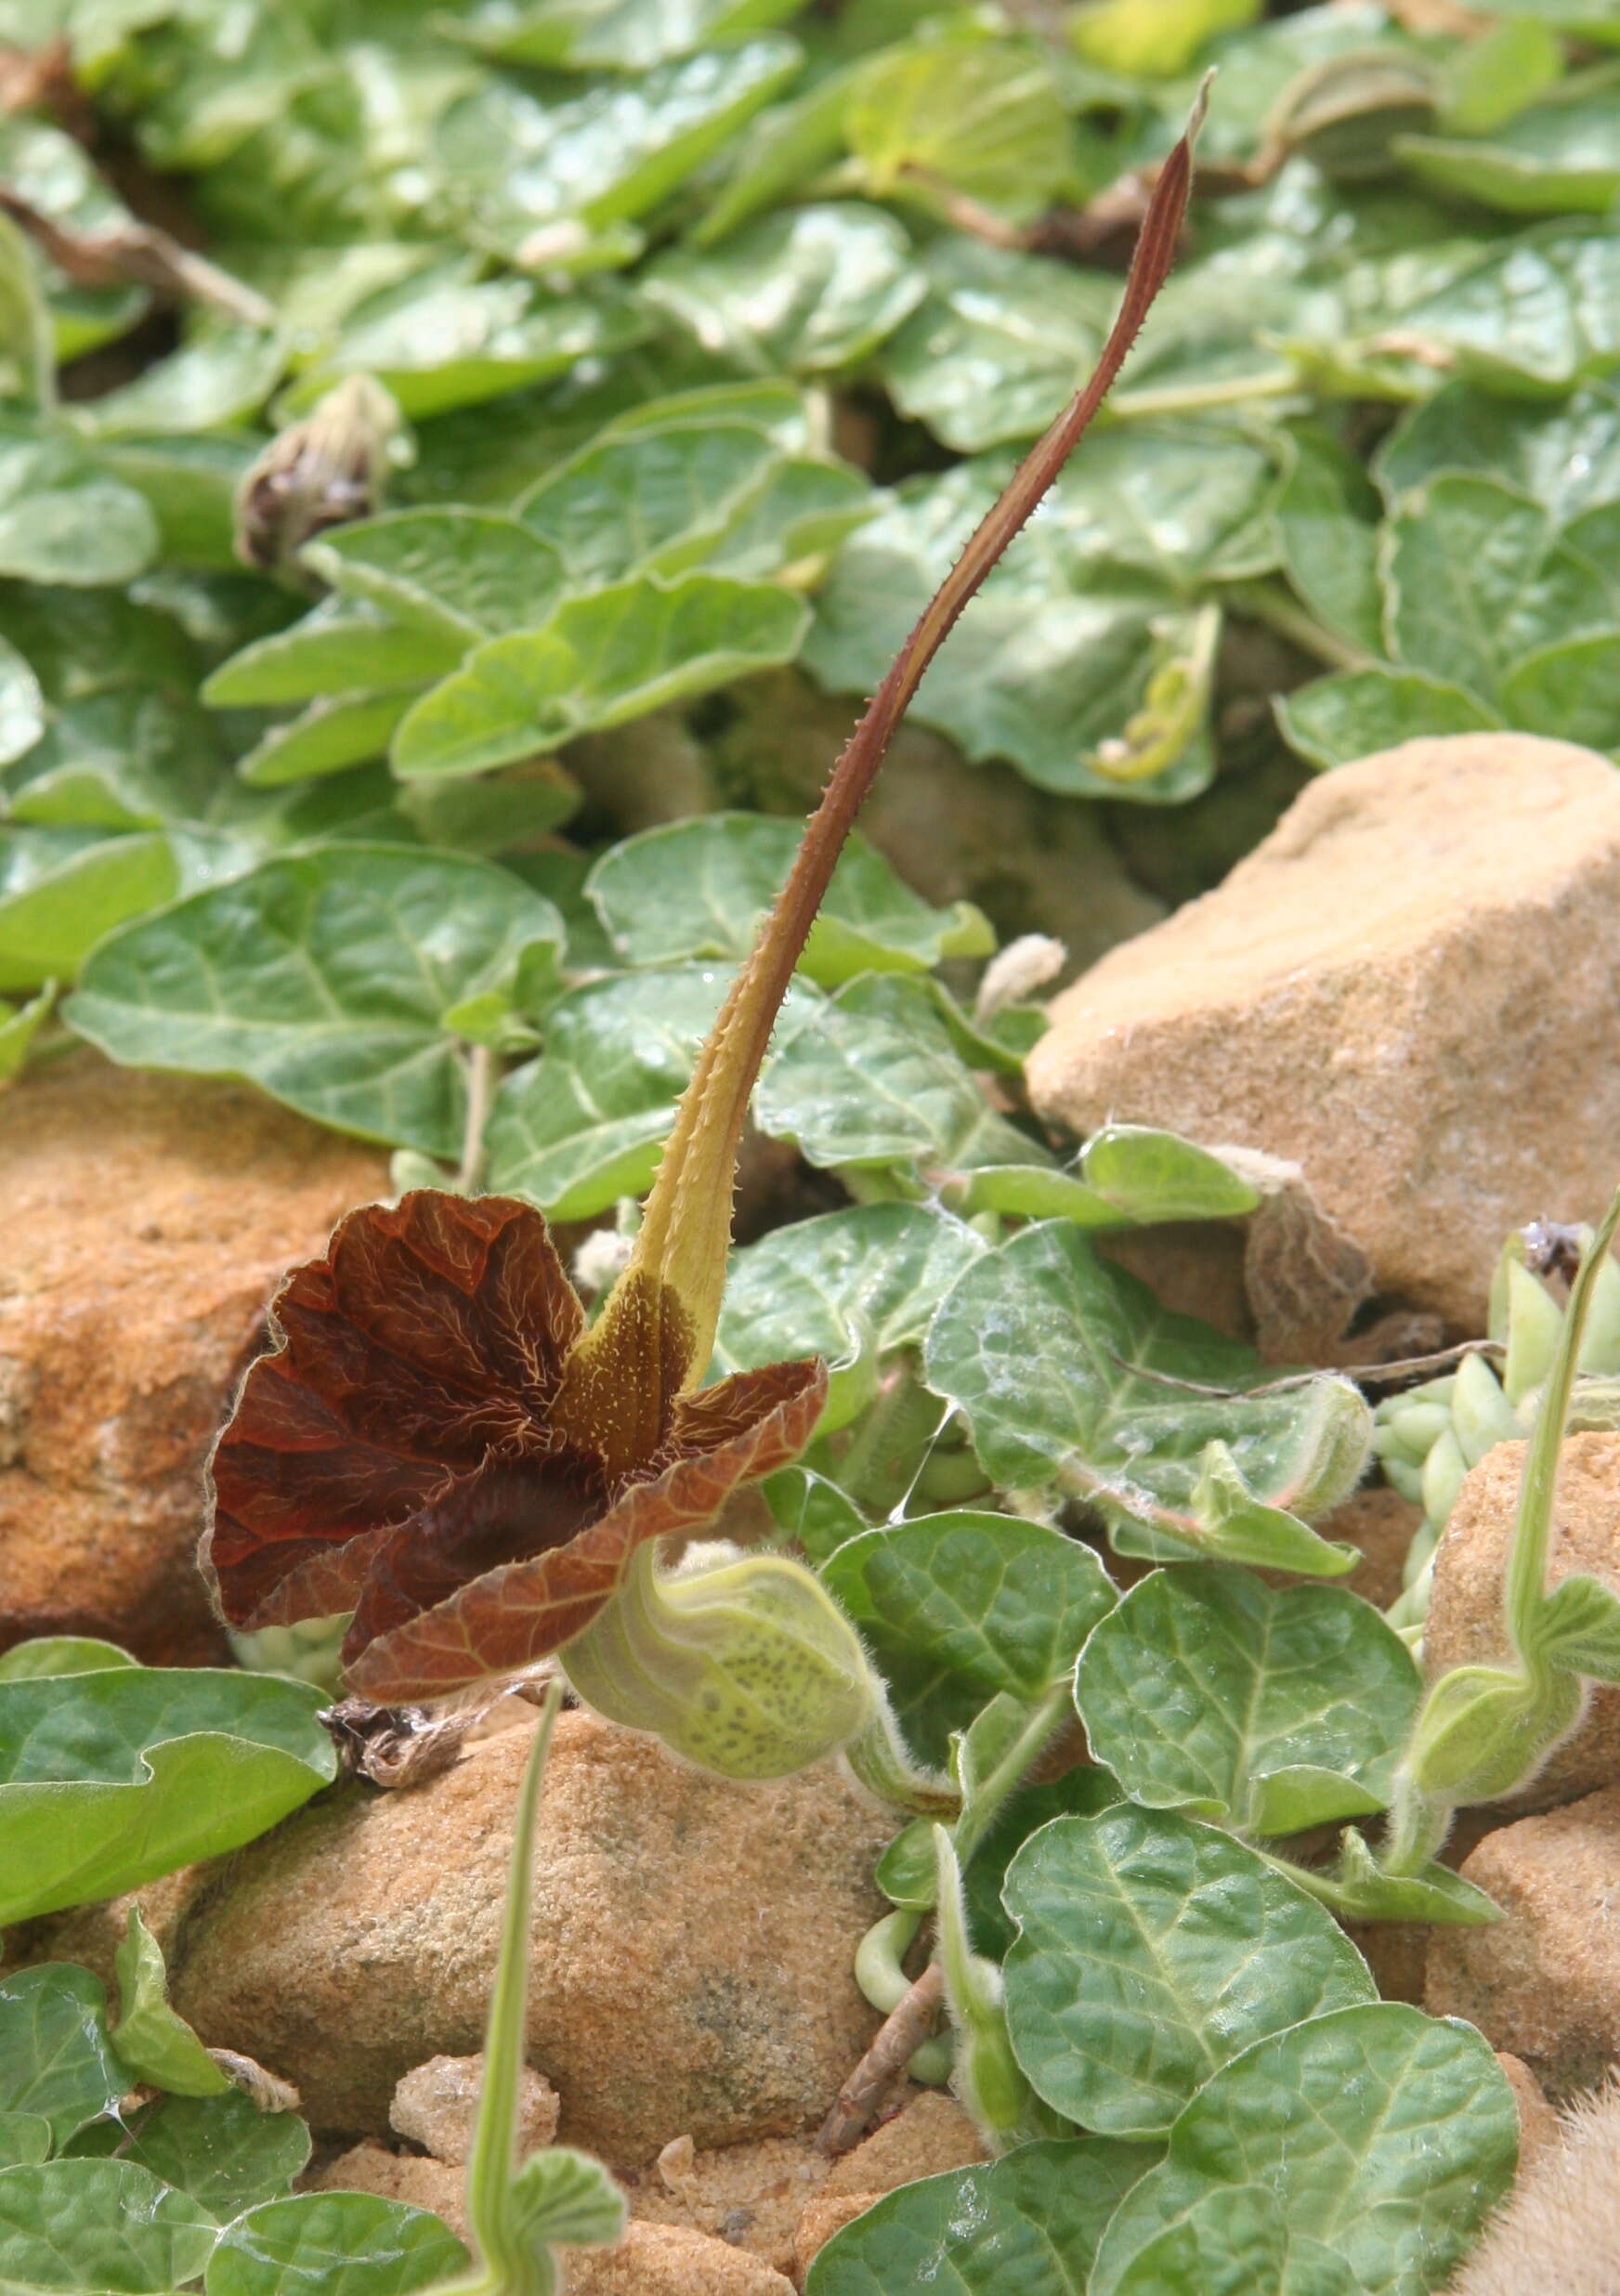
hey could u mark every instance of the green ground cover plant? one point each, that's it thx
(554, 370)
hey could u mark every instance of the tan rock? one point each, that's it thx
(931, 2134)
(1538, 2124)
(1383, 1524)
(1392, 991)
(397, 2176)
(437, 2106)
(750, 2195)
(1543, 1983)
(692, 1941)
(1465, 1612)
(1397, 1953)
(825, 2216)
(668, 2260)
(147, 1220)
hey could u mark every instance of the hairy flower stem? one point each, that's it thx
(681, 1249)
(1482, 1731)
(492, 2161)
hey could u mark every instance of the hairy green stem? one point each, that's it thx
(1525, 1580)
(1046, 1718)
(492, 2162)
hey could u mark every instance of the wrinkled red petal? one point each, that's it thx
(515, 1615)
(718, 1414)
(505, 1511)
(431, 1333)
(290, 1484)
(441, 1322)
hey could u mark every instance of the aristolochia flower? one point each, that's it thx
(441, 1444)
(415, 1451)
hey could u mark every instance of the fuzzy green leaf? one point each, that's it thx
(333, 2244)
(94, 2226)
(62, 521)
(1385, 2135)
(617, 654)
(518, 165)
(50, 1656)
(342, 645)
(699, 888)
(1234, 2241)
(1210, 1692)
(1054, 655)
(153, 2040)
(1564, 454)
(58, 2063)
(1358, 713)
(584, 1124)
(956, 1608)
(997, 345)
(502, 334)
(983, 117)
(1476, 577)
(1537, 313)
(1025, 2226)
(615, 35)
(877, 1077)
(63, 889)
(1150, 1952)
(852, 1286)
(457, 575)
(143, 1770)
(1570, 690)
(806, 292)
(21, 704)
(222, 2150)
(325, 978)
(1557, 158)
(1068, 1370)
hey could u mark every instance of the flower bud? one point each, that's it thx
(321, 471)
(745, 1665)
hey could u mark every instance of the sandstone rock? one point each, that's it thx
(826, 2215)
(1465, 1613)
(1544, 1983)
(931, 2134)
(692, 1941)
(437, 2104)
(397, 2176)
(1538, 2124)
(1392, 991)
(148, 1219)
(668, 2260)
(750, 2196)
(1383, 1524)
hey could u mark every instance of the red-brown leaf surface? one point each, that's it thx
(399, 1454)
